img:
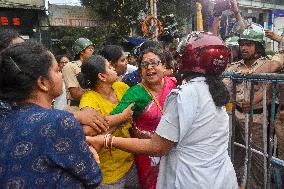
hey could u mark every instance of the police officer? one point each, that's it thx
(232, 43)
(83, 48)
(276, 66)
(253, 60)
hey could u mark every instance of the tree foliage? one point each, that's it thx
(125, 14)
(120, 17)
(65, 37)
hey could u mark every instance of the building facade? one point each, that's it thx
(26, 16)
(268, 13)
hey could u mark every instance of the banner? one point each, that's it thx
(72, 16)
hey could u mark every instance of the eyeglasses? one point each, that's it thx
(152, 63)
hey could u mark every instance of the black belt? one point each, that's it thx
(255, 111)
(74, 103)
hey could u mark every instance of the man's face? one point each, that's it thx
(247, 49)
(87, 52)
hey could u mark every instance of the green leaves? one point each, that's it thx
(124, 15)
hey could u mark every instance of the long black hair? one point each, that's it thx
(91, 67)
(20, 67)
(6, 37)
(217, 88)
(112, 53)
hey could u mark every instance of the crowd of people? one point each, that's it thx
(99, 121)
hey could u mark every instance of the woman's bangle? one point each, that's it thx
(106, 140)
(111, 143)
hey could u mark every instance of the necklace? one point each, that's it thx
(153, 97)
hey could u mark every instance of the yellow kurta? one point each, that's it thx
(116, 166)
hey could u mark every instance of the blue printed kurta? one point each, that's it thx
(44, 148)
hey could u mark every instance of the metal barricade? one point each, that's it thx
(271, 164)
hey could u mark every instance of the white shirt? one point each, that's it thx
(200, 158)
(61, 101)
(130, 68)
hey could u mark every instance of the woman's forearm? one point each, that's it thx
(216, 25)
(120, 118)
(116, 120)
(135, 145)
(240, 21)
(156, 146)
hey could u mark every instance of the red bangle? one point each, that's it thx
(110, 140)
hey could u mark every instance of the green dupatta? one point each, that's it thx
(136, 94)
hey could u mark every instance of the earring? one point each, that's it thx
(45, 88)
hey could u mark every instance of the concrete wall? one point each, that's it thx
(24, 4)
(261, 4)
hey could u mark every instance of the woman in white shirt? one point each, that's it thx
(193, 133)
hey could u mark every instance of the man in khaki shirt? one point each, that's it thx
(252, 51)
(279, 121)
(83, 48)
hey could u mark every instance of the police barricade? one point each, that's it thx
(272, 165)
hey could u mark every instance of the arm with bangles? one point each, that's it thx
(156, 146)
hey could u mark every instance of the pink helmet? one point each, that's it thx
(203, 52)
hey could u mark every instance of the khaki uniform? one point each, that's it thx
(256, 130)
(279, 57)
(279, 125)
(70, 73)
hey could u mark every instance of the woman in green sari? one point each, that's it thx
(149, 97)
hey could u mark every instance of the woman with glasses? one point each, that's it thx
(148, 98)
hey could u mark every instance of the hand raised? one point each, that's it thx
(273, 36)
